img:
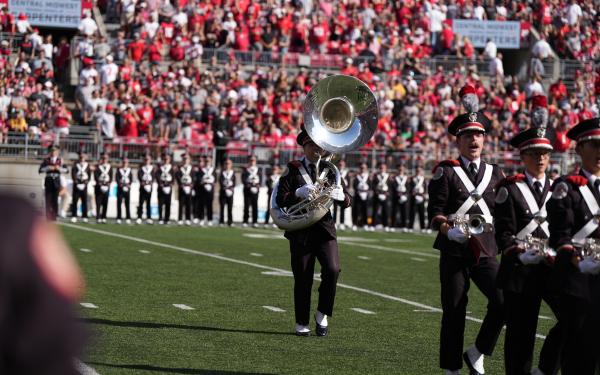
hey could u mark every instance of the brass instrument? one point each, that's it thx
(471, 224)
(590, 248)
(539, 245)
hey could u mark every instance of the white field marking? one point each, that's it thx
(273, 308)
(363, 257)
(393, 250)
(88, 305)
(363, 311)
(268, 268)
(144, 252)
(83, 250)
(183, 307)
(278, 273)
(357, 239)
(256, 254)
(396, 240)
(418, 259)
(545, 317)
(427, 311)
(84, 369)
(264, 236)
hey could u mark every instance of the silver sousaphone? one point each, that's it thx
(340, 115)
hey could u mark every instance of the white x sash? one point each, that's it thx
(591, 225)
(539, 214)
(475, 193)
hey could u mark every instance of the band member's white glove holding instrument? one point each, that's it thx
(456, 234)
(531, 257)
(590, 266)
(337, 194)
(303, 192)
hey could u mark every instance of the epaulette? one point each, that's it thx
(577, 180)
(446, 163)
(295, 163)
(519, 177)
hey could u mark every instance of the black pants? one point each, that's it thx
(339, 207)
(164, 205)
(123, 198)
(144, 199)
(381, 212)
(224, 200)
(51, 190)
(185, 205)
(79, 195)
(399, 214)
(303, 266)
(414, 209)
(268, 214)
(250, 201)
(101, 203)
(359, 212)
(455, 278)
(590, 353)
(204, 204)
(572, 315)
(522, 310)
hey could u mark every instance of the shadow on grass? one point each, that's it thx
(117, 323)
(167, 370)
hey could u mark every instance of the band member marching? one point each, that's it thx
(417, 199)
(165, 177)
(465, 186)
(251, 180)
(272, 181)
(318, 241)
(362, 187)
(227, 182)
(573, 213)
(337, 206)
(525, 271)
(381, 197)
(400, 201)
(205, 191)
(185, 181)
(124, 179)
(80, 173)
(103, 175)
(146, 179)
(52, 167)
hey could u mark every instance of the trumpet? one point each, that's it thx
(471, 224)
(539, 245)
(590, 248)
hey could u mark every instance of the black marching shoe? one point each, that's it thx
(472, 370)
(302, 330)
(322, 330)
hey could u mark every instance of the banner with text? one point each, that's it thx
(48, 13)
(506, 34)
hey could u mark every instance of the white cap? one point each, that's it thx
(109, 58)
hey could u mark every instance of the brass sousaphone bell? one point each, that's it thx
(340, 115)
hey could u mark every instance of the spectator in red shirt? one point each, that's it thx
(177, 51)
(136, 49)
(130, 123)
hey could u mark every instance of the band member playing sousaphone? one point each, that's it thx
(573, 212)
(185, 181)
(338, 209)
(146, 180)
(80, 173)
(362, 188)
(103, 175)
(165, 176)
(381, 197)
(227, 181)
(124, 180)
(461, 187)
(251, 180)
(526, 273)
(400, 201)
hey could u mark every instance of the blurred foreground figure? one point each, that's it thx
(39, 280)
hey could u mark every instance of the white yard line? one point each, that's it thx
(85, 250)
(88, 305)
(144, 251)
(418, 259)
(363, 257)
(274, 309)
(363, 311)
(84, 369)
(256, 254)
(268, 268)
(183, 307)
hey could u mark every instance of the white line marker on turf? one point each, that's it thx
(389, 249)
(84, 369)
(363, 311)
(85, 250)
(144, 252)
(256, 265)
(426, 310)
(88, 305)
(256, 254)
(544, 317)
(273, 308)
(418, 259)
(183, 307)
(277, 273)
(363, 257)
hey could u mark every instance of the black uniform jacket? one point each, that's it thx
(512, 215)
(568, 213)
(447, 193)
(322, 230)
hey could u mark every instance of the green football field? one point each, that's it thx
(181, 300)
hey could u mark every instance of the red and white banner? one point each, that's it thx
(64, 14)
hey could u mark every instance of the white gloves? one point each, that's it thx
(456, 234)
(303, 192)
(531, 257)
(589, 265)
(337, 194)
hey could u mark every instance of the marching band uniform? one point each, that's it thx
(52, 166)
(318, 241)
(165, 178)
(205, 185)
(400, 201)
(464, 186)
(103, 175)
(417, 199)
(80, 173)
(524, 276)
(271, 182)
(185, 182)
(124, 180)
(362, 187)
(337, 206)
(572, 212)
(146, 179)
(227, 182)
(251, 180)
(381, 197)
